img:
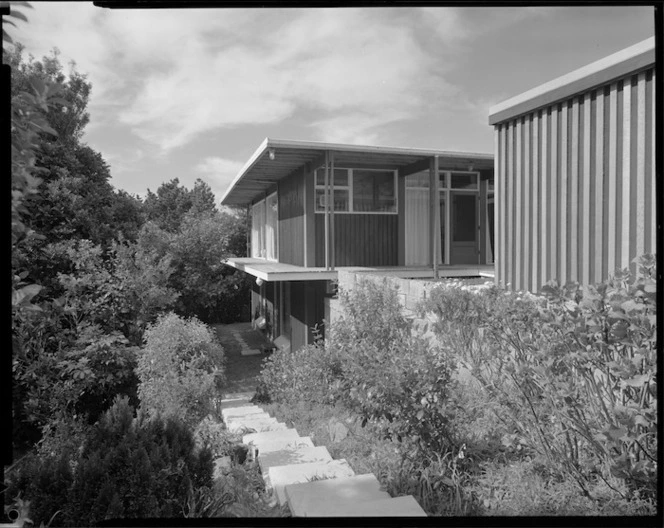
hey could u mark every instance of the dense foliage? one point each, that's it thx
(374, 364)
(573, 372)
(180, 369)
(127, 467)
(510, 391)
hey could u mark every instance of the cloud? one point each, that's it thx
(220, 172)
(178, 74)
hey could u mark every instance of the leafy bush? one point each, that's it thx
(571, 373)
(127, 467)
(180, 369)
(373, 363)
(311, 370)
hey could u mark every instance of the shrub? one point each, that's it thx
(571, 372)
(374, 364)
(310, 372)
(180, 369)
(136, 467)
(128, 466)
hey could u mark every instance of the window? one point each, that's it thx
(464, 181)
(374, 191)
(271, 226)
(359, 191)
(258, 230)
(264, 228)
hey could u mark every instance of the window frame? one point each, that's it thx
(349, 188)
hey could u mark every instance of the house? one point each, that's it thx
(316, 208)
(575, 173)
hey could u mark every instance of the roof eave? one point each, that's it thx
(625, 62)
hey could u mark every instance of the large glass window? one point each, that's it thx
(374, 191)
(359, 191)
(271, 226)
(258, 230)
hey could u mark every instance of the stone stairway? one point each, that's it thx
(305, 476)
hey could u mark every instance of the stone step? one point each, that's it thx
(254, 417)
(315, 499)
(297, 455)
(278, 477)
(258, 426)
(247, 410)
(405, 506)
(271, 446)
(258, 438)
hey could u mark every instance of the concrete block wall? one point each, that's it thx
(410, 292)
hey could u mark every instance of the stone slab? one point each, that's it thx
(258, 438)
(250, 352)
(259, 426)
(405, 506)
(289, 443)
(294, 455)
(278, 477)
(315, 499)
(254, 417)
(236, 412)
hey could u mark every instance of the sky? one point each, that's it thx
(192, 93)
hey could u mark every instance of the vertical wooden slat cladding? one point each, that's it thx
(291, 219)
(575, 186)
(360, 240)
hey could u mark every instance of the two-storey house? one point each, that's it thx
(319, 207)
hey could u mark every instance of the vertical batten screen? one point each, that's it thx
(575, 185)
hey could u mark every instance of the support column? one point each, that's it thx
(327, 210)
(434, 215)
(483, 214)
(249, 226)
(401, 218)
(332, 240)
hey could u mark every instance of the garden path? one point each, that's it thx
(243, 350)
(305, 476)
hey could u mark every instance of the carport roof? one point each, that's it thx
(261, 172)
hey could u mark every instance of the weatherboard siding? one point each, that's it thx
(575, 186)
(291, 219)
(360, 239)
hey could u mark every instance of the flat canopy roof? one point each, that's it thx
(271, 271)
(627, 61)
(277, 158)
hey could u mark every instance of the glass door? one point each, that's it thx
(464, 229)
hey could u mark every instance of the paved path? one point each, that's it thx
(305, 476)
(244, 357)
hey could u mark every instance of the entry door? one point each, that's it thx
(464, 226)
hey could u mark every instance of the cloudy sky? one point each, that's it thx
(191, 93)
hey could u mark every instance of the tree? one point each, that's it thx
(209, 289)
(169, 205)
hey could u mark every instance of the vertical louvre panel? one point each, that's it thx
(562, 212)
(509, 202)
(544, 184)
(585, 254)
(651, 131)
(641, 139)
(598, 178)
(576, 186)
(626, 174)
(613, 160)
(527, 201)
(574, 193)
(497, 211)
(534, 253)
(518, 249)
(553, 185)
